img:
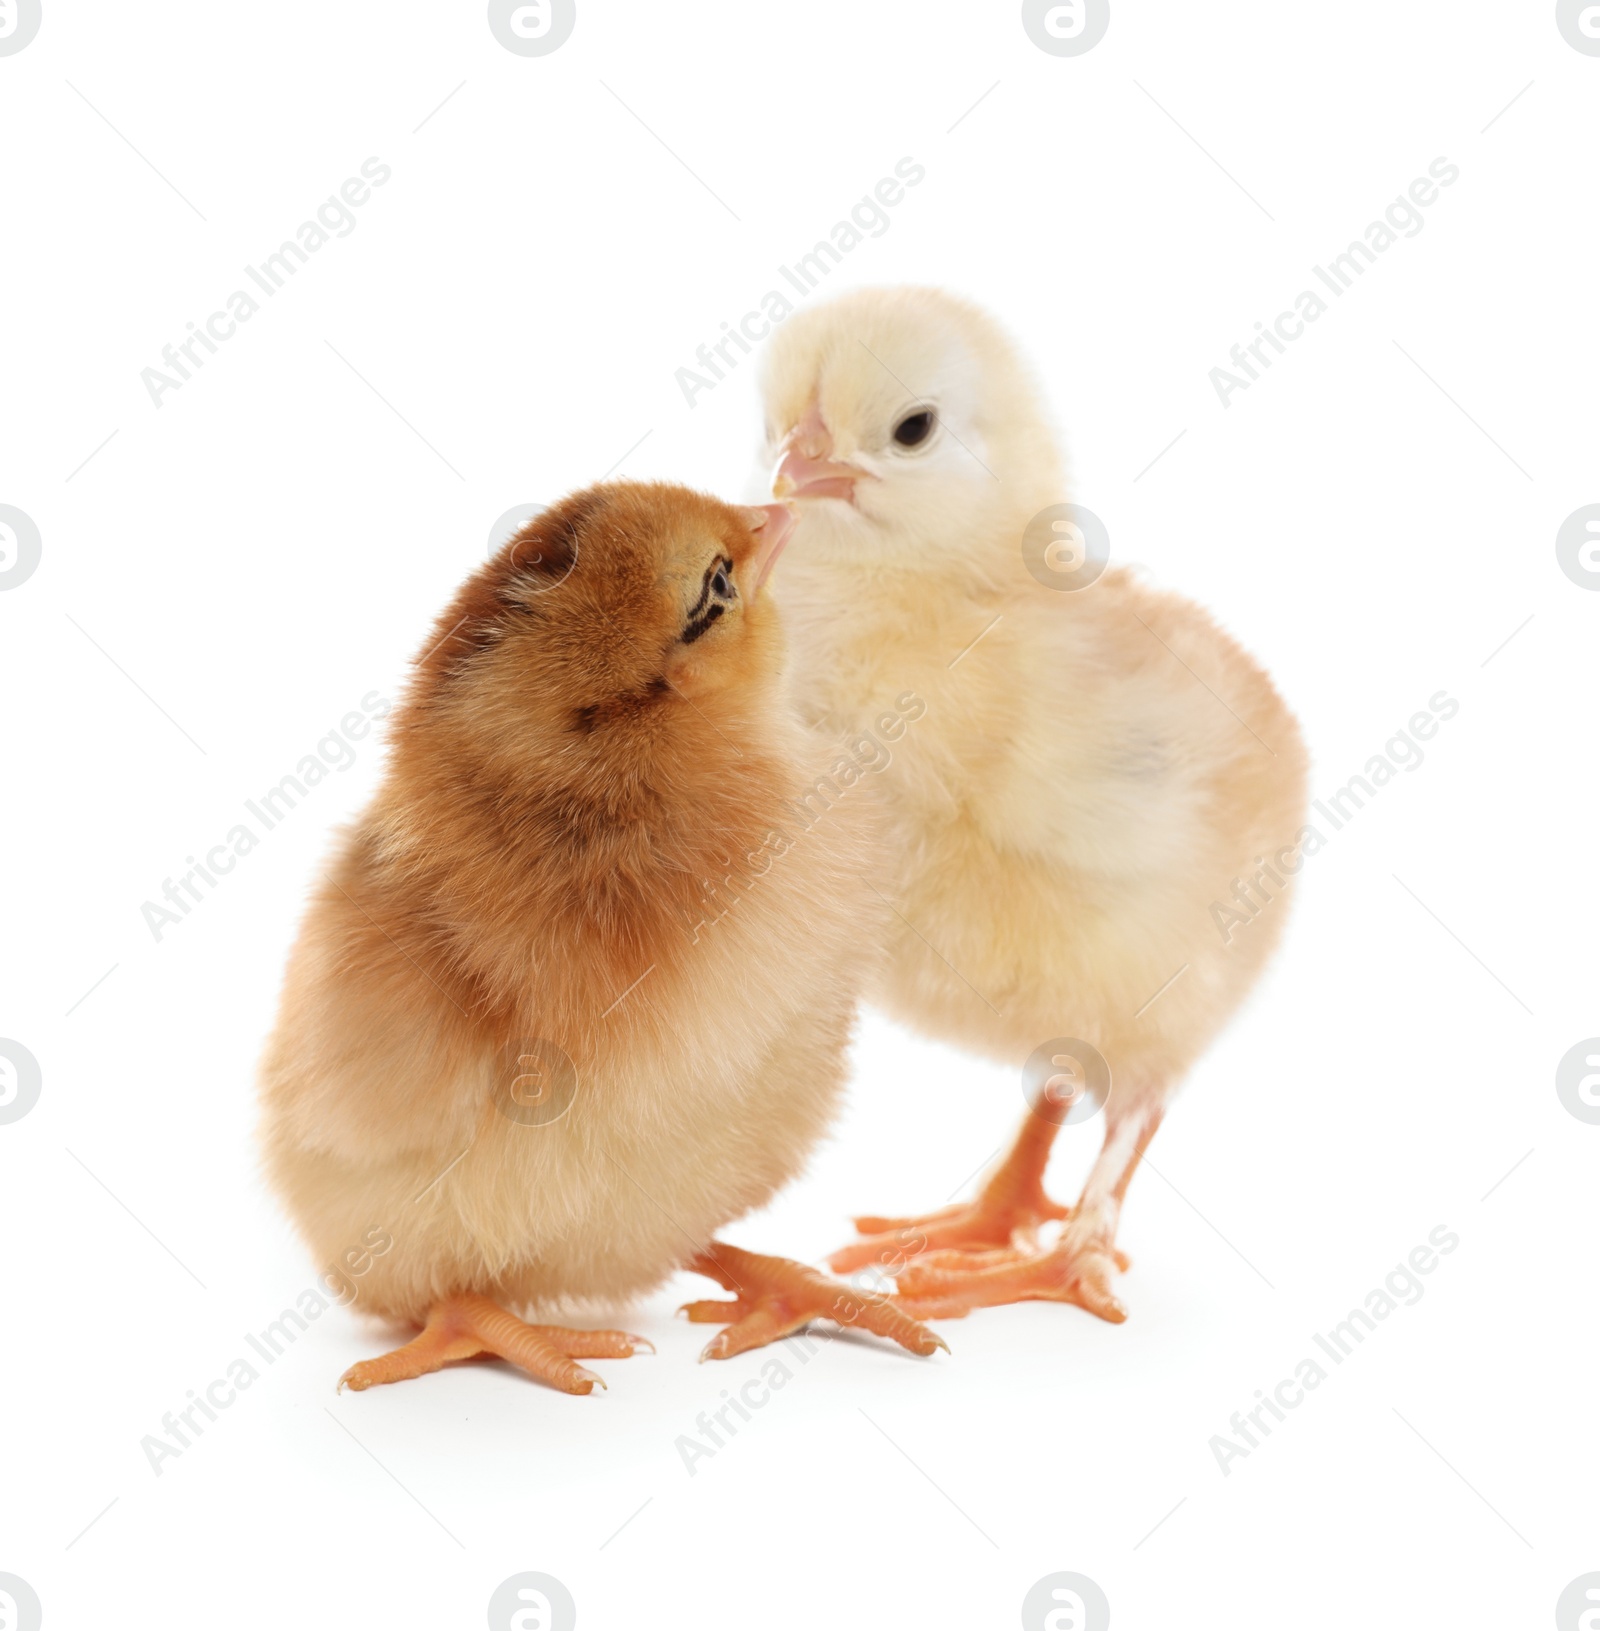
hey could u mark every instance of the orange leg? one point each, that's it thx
(1078, 1268)
(463, 1326)
(774, 1296)
(1012, 1204)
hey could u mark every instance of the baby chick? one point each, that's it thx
(1095, 769)
(510, 1041)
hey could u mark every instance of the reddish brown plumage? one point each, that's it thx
(549, 769)
(567, 772)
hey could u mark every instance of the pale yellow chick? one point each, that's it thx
(1099, 767)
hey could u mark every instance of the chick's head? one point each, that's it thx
(611, 624)
(904, 425)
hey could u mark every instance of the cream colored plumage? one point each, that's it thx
(1095, 768)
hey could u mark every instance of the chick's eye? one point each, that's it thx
(717, 591)
(915, 428)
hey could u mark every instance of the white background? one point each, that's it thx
(233, 571)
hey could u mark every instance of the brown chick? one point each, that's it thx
(1099, 771)
(511, 1050)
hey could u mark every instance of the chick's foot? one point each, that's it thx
(463, 1327)
(1080, 1268)
(1009, 1210)
(974, 1227)
(774, 1296)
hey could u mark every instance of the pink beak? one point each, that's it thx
(807, 469)
(773, 524)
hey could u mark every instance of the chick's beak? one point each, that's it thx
(772, 524)
(806, 467)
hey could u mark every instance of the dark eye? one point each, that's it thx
(915, 428)
(717, 588)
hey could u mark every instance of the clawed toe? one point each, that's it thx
(777, 1297)
(953, 1283)
(990, 1223)
(715, 1311)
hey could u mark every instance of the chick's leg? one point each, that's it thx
(463, 1326)
(1078, 1268)
(774, 1296)
(1012, 1204)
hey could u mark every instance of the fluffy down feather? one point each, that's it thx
(1096, 767)
(571, 765)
